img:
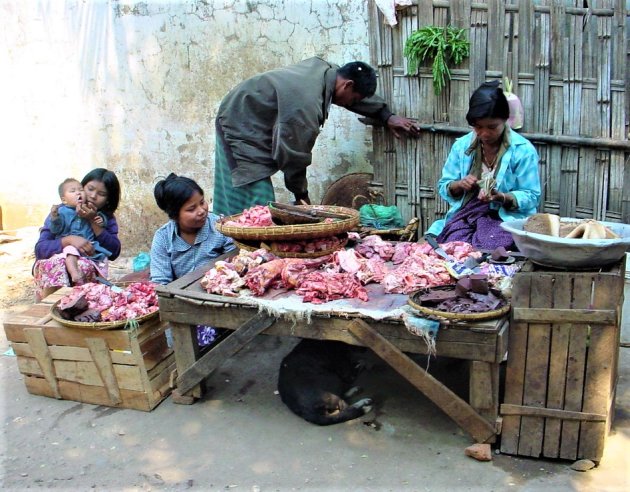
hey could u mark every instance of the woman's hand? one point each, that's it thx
(86, 211)
(506, 200)
(461, 186)
(409, 126)
(84, 246)
(54, 212)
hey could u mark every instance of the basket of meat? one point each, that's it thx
(305, 248)
(471, 299)
(257, 224)
(102, 307)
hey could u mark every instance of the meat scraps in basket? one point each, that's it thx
(95, 302)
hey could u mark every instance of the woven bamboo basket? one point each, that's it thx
(254, 245)
(294, 232)
(285, 214)
(415, 303)
(100, 325)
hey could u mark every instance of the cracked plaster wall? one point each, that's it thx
(134, 87)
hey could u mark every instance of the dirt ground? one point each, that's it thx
(241, 437)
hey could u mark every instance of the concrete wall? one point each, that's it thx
(134, 87)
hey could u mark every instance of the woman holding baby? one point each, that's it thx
(102, 195)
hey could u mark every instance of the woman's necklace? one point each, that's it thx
(490, 163)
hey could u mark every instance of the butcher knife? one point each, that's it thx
(104, 281)
(456, 268)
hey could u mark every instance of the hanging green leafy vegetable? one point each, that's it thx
(443, 45)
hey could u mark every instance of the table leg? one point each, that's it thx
(451, 404)
(186, 352)
(484, 390)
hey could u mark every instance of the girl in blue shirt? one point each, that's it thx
(189, 239)
(491, 175)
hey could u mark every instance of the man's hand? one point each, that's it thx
(305, 200)
(398, 124)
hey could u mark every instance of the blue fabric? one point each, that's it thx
(48, 245)
(68, 223)
(172, 257)
(517, 174)
(205, 335)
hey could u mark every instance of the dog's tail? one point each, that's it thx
(342, 413)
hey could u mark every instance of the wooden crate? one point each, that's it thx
(117, 368)
(563, 351)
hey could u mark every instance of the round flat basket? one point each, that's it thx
(287, 217)
(97, 325)
(416, 303)
(254, 245)
(293, 232)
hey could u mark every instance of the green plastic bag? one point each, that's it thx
(141, 262)
(381, 217)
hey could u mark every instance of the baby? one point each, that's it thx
(64, 221)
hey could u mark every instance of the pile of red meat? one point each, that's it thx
(399, 267)
(93, 302)
(258, 216)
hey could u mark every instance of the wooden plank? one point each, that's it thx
(578, 346)
(72, 353)
(186, 350)
(515, 371)
(56, 334)
(456, 408)
(128, 377)
(558, 360)
(162, 372)
(484, 389)
(194, 374)
(37, 342)
(103, 362)
(591, 316)
(552, 413)
(600, 377)
(95, 395)
(454, 342)
(536, 368)
(154, 352)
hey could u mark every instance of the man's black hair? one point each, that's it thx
(363, 76)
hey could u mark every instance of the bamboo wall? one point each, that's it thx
(568, 66)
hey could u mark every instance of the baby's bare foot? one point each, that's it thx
(78, 280)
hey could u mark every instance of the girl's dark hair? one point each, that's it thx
(171, 193)
(488, 101)
(363, 76)
(109, 179)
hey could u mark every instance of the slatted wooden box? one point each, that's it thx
(563, 352)
(118, 368)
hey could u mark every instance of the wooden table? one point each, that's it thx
(184, 304)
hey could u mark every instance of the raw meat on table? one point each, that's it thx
(319, 287)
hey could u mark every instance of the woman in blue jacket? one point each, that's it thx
(490, 176)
